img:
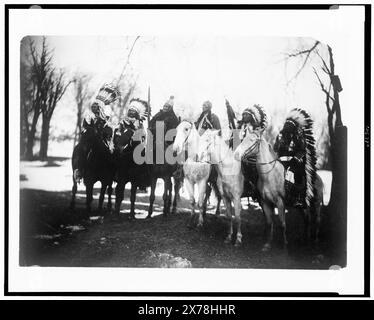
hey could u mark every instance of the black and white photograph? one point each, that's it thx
(186, 145)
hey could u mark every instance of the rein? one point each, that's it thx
(252, 160)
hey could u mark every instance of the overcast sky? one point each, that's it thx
(245, 70)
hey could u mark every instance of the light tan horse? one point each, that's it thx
(230, 179)
(270, 184)
(196, 170)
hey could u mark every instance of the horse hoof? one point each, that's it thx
(266, 248)
(227, 240)
(238, 243)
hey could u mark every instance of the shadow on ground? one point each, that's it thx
(53, 235)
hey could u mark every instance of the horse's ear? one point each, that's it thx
(215, 132)
(260, 131)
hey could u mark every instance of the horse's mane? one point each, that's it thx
(305, 123)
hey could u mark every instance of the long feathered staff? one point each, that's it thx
(304, 122)
(231, 116)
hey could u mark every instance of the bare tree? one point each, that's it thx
(35, 89)
(56, 86)
(338, 141)
(26, 105)
(82, 94)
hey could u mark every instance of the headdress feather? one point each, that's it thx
(302, 121)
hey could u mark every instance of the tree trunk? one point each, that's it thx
(24, 131)
(31, 136)
(43, 153)
(78, 127)
(337, 208)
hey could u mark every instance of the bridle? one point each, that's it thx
(186, 138)
(255, 149)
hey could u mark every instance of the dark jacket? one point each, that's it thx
(169, 118)
(212, 123)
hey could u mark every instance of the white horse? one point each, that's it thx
(196, 170)
(230, 179)
(270, 184)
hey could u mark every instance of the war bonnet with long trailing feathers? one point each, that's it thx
(302, 121)
(258, 114)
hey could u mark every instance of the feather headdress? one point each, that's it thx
(259, 115)
(304, 124)
(141, 107)
(108, 94)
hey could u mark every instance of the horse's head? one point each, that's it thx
(183, 133)
(104, 141)
(208, 145)
(122, 139)
(249, 145)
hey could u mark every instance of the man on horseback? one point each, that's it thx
(165, 115)
(93, 125)
(207, 119)
(253, 118)
(296, 149)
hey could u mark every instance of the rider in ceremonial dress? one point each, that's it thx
(165, 115)
(295, 146)
(93, 125)
(253, 119)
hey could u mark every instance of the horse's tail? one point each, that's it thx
(305, 122)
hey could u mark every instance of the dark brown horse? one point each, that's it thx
(140, 174)
(161, 127)
(98, 165)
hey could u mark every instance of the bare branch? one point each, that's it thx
(307, 54)
(127, 61)
(325, 68)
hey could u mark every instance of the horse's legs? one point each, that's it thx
(110, 191)
(73, 193)
(206, 198)
(152, 197)
(201, 187)
(119, 196)
(167, 195)
(268, 212)
(102, 195)
(237, 208)
(218, 195)
(132, 199)
(282, 217)
(89, 190)
(190, 191)
(176, 194)
(227, 203)
(307, 224)
(170, 193)
(318, 221)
